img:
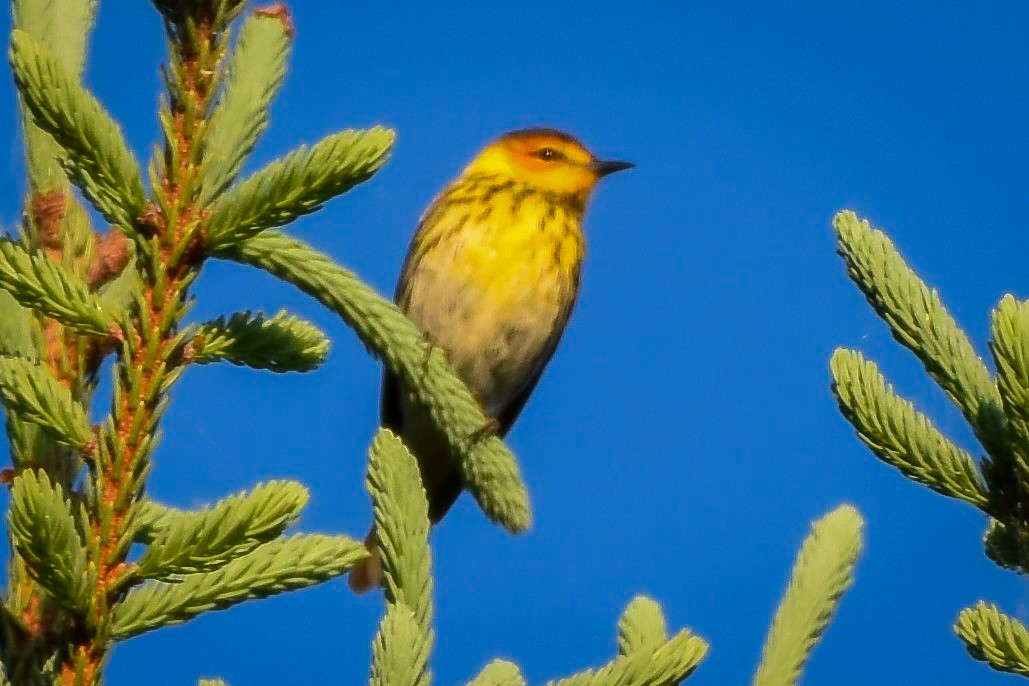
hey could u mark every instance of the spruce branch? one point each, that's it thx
(39, 283)
(1010, 347)
(46, 536)
(404, 640)
(399, 653)
(96, 157)
(297, 562)
(824, 570)
(499, 673)
(186, 542)
(63, 26)
(901, 436)
(995, 638)
(282, 343)
(255, 74)
(668, 664)
(298, 184)
(32, 394)
(642, 627)
(490, 471)
(402, 526)
(919, 321)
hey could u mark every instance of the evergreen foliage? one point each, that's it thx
(995, 406)
(73, 296)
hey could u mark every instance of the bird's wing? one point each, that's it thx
(507, 416)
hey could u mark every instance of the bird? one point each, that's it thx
(491, 277)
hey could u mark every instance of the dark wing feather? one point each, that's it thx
(509, 414)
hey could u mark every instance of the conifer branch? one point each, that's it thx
(96, 157)
(899, 435)
(46, 536)
(490, 471)
(499, 673)
(186, 542)
(399, 653)
(824, 570)
(919, 321)
(38, 282)
(32, 394)
(642, 627)
(63, 27)
(282, 565)
(297, 184)
(282, 343)
(995, 638)
(404, 640)
(255, 74)
(402, 525)
(1010, 347)
(668, 664)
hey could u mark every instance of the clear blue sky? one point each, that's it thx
(684, 435)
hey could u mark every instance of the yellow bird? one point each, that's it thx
(491, 277)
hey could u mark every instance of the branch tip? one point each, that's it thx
(281, 12)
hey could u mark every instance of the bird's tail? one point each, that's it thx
(368, 574)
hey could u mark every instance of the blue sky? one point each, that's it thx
(684, 436)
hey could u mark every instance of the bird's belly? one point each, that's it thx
(495, 331)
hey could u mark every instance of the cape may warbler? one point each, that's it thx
(491, 277)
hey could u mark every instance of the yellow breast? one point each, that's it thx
(493, 283)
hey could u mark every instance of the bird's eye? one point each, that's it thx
(547, 154)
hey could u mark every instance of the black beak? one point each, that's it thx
(603, 168)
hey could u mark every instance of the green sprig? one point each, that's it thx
(32, 394)
(901, 436)
(995, 638)
(255, 74)
(642, 627)
(1010, 348)
(96, 158)
(919, 321)
(185, 542)
(297, 184)
(399, 653)
(39, 283)
(824, 570)
(46, 536)
(281, 343)
(404, 640)
(283, 565)
(499, 673)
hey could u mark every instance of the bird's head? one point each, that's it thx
(546, 159)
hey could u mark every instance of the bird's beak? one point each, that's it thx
(605, 167)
